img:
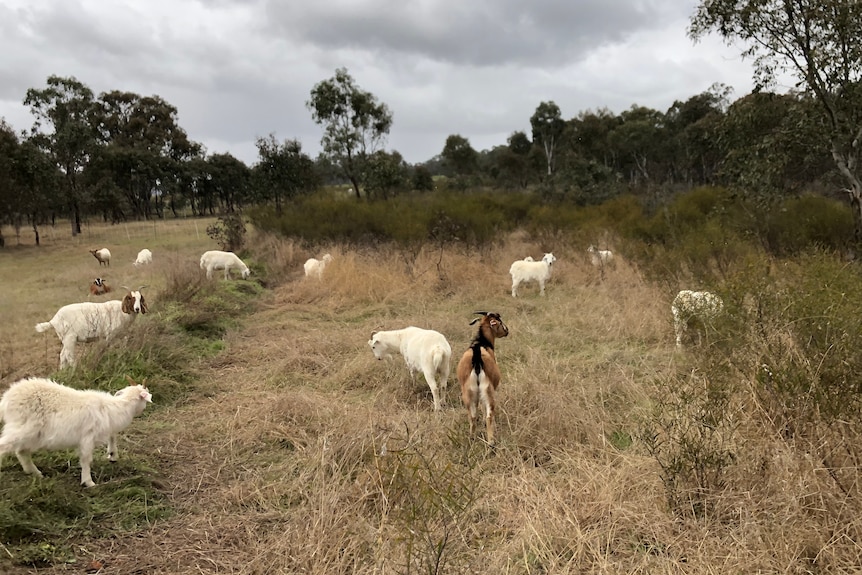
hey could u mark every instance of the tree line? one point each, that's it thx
(120, 155)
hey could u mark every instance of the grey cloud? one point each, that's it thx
(479, 33)
(236, 70)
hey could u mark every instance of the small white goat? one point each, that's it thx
(39, 414)
(423, 350)
(523, 271)
(145, 256)
(103, 255)
(315, 267)
(690, 305)
(600, 258)
(218, 260)
(88, 321)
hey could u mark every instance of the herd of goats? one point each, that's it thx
(39, 413)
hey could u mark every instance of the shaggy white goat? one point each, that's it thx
(423, 350)
(218, 260)
(523, 271)
(89, 321)
(693, 305)
(600, 258)
(145, 256)
(315, 267)
(39, 414)
(103, 255)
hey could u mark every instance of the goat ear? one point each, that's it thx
(127, 304)
(144, 308)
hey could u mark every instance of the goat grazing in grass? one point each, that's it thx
(218, 260)
(40, 413)
(689, 306)
(423, 350)
(600, 258)
(103, 255)
(314, 267)
(145, 256)
(99, 287)
(523, 271)
(88, 321)
(478, 372)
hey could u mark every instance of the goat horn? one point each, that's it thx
(480, 312)
(142, 287)
(126, 288)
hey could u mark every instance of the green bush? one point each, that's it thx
(802, 223)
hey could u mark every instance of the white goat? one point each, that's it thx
(39, 414)
(423, 350)
(315, 267)
(103, 255)
(693, 305)
(88, 321)
(523, 271)
(218, 260)
(145, 256)
(600, 258)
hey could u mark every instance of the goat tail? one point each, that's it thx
(44, 326)
(477, 359)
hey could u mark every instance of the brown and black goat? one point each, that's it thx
(99, 287)
(478, 372)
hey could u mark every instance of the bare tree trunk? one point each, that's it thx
(847, 167)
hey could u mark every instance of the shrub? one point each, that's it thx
(802, 223)
(229, 231)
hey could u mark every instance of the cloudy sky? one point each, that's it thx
(240, 69)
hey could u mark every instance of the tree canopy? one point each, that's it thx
(355, 124)
(818, 42)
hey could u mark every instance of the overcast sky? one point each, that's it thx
(240, 69)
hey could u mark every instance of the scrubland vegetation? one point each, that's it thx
(276, 443)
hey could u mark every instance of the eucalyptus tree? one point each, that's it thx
(64, 128)
(590, 137)
(816, 41)
(638, 140)
(459, 155)
(547, 125)
(229, 180)
(771, 146)
(355, 124)
(693, 134)
(283, 170)
(511, 164)
(385, 174)
(28, 181)
(143, 148)
(9, 146)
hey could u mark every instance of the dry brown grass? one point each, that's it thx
(303, 454)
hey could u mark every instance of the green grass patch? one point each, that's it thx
(39, 516)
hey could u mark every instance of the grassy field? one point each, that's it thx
(288, 448)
